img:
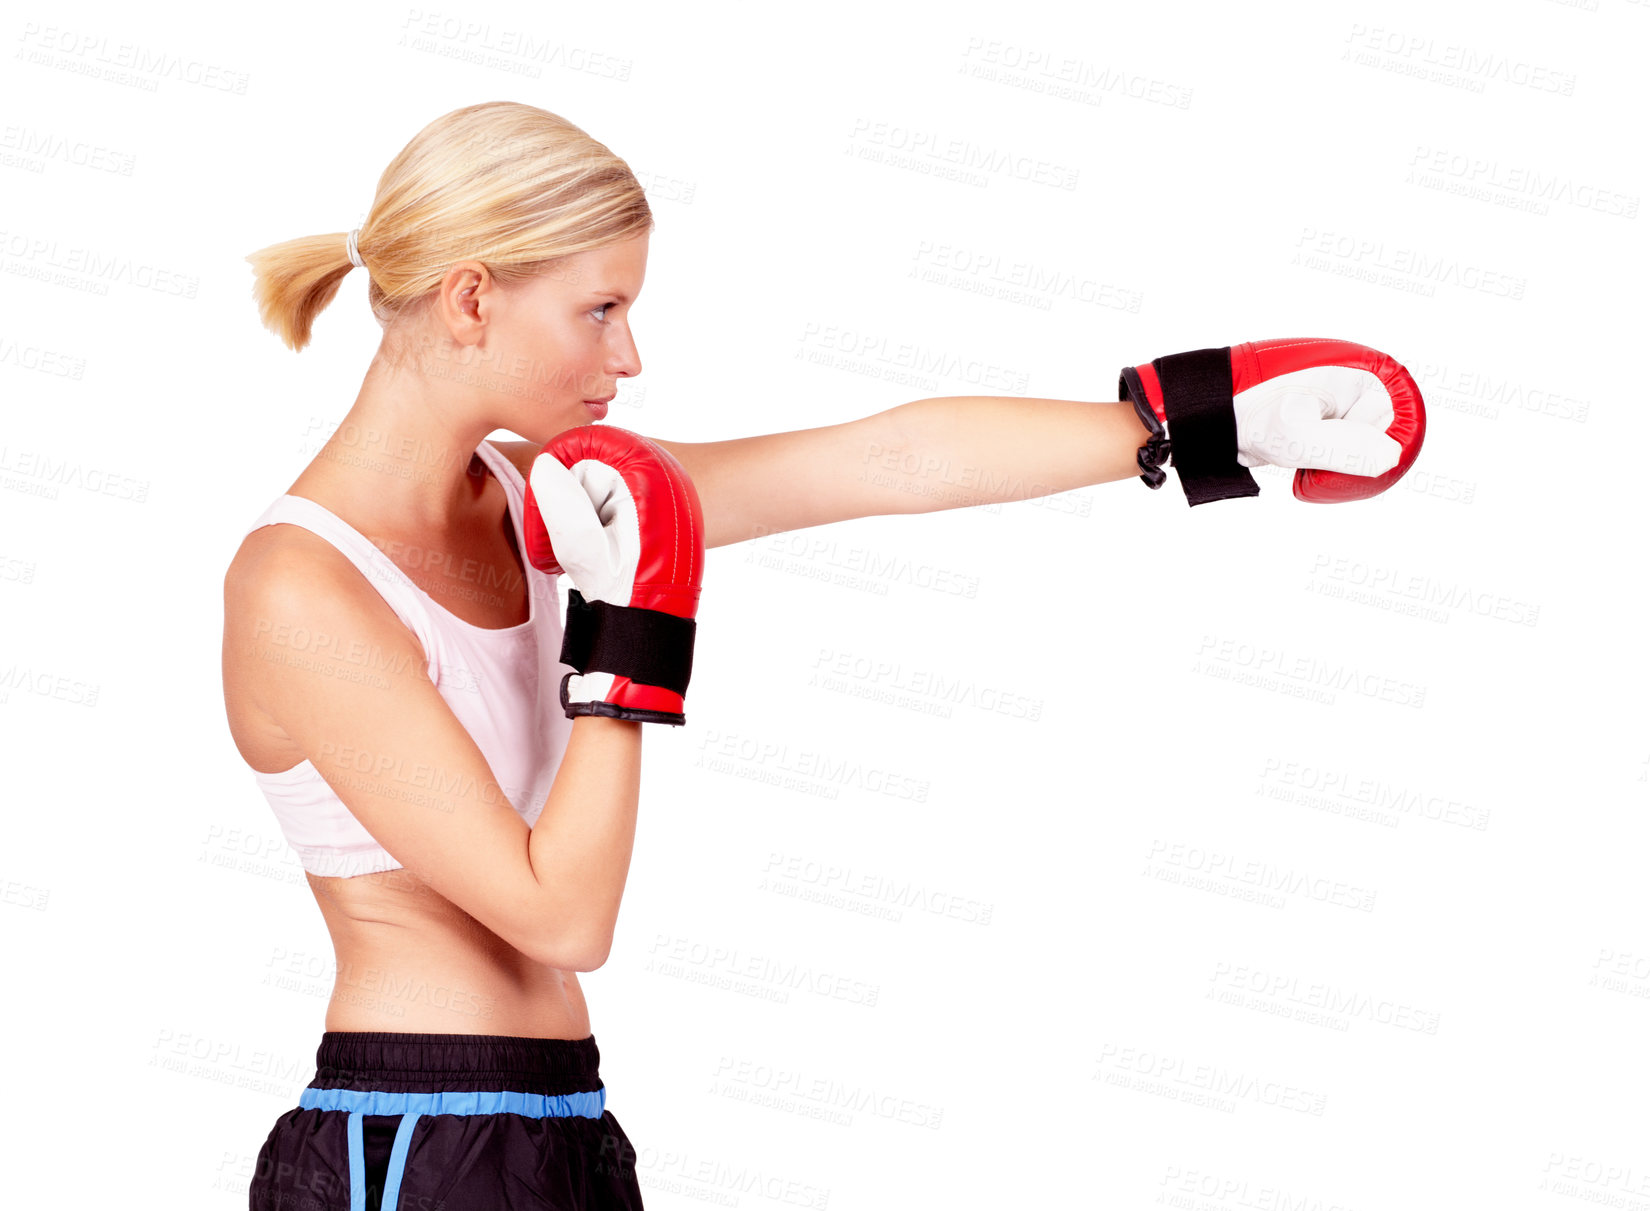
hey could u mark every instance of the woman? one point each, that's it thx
(391, 661)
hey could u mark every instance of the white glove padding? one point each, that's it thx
(590, 516)
(1325, 418)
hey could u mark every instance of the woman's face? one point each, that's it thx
(561, 341)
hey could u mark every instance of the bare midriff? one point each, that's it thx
(410, 960)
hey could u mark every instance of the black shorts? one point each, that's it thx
(461, 1122)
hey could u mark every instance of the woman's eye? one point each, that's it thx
(601, 309)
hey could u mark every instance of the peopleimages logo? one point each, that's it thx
(879, 889)
(1448, 62)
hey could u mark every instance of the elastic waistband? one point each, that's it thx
(393, 1062)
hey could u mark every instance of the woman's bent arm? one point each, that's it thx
(581, 845)
(361, 707)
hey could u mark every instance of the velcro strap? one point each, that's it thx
(648, 646)
(1197, 401)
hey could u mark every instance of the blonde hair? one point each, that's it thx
(506, 184)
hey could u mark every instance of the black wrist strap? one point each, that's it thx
(648, 646)
(1202, 428)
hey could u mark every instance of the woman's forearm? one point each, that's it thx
(951, 451)
(581, 844)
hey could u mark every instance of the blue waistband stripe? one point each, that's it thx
(532, 1105)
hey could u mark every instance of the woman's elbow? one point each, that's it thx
(591, 957)
(583, 953)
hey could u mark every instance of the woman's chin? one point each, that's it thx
(541, 433)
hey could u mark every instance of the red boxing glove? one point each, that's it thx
(620, 516)
(1349, 418)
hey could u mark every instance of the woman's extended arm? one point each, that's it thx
(954, 451)
(940, 453)
(1349, 419)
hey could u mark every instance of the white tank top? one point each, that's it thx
(502, 684)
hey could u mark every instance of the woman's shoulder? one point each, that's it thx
(284, 587)
(282, 559)
(285, 553)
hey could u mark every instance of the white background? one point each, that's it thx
(1419, 720)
